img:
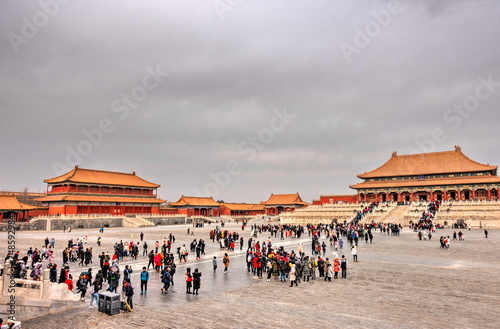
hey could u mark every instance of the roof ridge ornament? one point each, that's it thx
(395, 153)
(458, 148)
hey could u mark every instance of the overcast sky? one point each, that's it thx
(279, 96)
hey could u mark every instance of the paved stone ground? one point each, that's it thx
(399, 282)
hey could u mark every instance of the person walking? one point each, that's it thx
(196, 281)
(144, 280)
(336, 267)
(214, 262)
(82, 285)
(343, 266)
(95, 293)
(166, 279)
(354, 253)
(225, 260)
(129, 292)
(151, 259)
(485, 233)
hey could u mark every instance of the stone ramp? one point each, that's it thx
(137, 222)
(396, 216)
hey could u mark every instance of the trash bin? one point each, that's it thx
(109, 303)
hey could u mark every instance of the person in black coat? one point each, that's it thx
(62, 276)
(53, 273)
(196, 281)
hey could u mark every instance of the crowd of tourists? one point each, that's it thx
(263, 258)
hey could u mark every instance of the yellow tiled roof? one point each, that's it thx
(89, 176)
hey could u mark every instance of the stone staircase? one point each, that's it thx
(203, 218)
(137, 221)
(396, 215)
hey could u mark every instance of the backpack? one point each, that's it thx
(166, 276)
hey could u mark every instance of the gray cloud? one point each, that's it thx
(225, 78)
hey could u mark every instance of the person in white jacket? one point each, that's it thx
(354, 252)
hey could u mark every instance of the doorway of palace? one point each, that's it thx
(453, 195)
(395, 197)
(467, 195)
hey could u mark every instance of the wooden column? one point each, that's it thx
(473, 194)
(445, 197)
(411, 197)
(489, 194)
(432, 196)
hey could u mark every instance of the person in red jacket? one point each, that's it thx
(336, 267)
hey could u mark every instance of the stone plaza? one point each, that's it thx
(399, 282)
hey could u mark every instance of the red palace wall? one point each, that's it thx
(168, 211)
(336, 198)
(112, 210)
(38, 212)
(57, 210)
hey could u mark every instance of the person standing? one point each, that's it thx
(485, 233)
(196, 281)
(293, 276)
(336, 267)
(126, 273)
(189, 280)
(145, 248)
(144, 280)
(142, 236)
(329, 272)
(225, 260)
(343, 266)
(53, 273)
(114, 280)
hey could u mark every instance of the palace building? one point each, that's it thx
(86, 191)
(197, 206)
(439, 176)
(242, 209)
(278, 203)
(336, 199)
(11, 208)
